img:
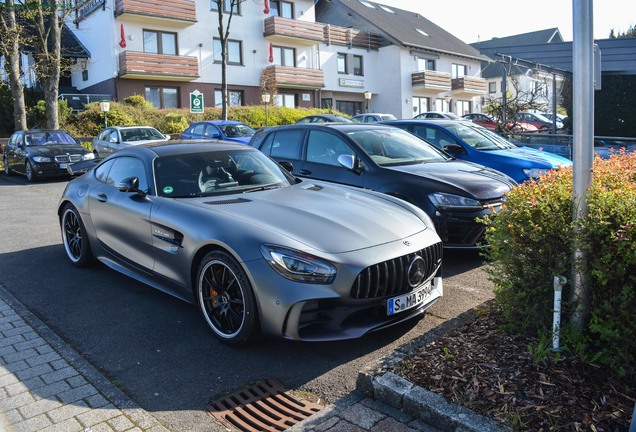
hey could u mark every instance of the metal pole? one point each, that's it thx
(583, 147)
(504, 93)
(554, 103)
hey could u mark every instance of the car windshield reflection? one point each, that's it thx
(392, 147)
(480, 138)
(49, 138)
(217, 173)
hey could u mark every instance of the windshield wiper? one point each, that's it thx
(262, 188)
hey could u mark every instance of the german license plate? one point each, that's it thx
(63, 166)
(408, 301)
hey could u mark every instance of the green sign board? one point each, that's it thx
(196, 102)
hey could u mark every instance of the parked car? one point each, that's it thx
(559, 119)
(537, 120)
(228, 130)
(115, 138)
(373, 117)
(42, 153)
(438, 115)
(228, 229)
(482, 120)
(325, 118)
(386, 159)
(470, 142)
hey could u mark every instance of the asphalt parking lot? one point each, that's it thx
(156, 348)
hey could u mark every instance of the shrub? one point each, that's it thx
(533, 238)
(138, 101)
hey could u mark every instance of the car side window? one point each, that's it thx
(112, 136)
(126, 167)
(284, 144)
(197, 129)
(435, 136)
(210, 130)
(324, 147)
(101, 172)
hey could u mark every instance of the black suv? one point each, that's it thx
(387, 159)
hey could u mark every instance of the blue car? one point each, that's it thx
(470, 142)
(227, 130)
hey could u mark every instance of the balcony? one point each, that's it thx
(181, 13)
(279, 29)
(439, 82)
(293, 77)
(334, 35)
(140, 65)
(468, 86)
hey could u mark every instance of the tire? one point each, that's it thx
(28, 170)
(226, 299)
(96, 154)
(7, 170)
(76, 244)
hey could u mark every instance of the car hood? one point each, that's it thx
(331, 219)
(475, 180)
(53, 150)
(243, 140)
(532, 158)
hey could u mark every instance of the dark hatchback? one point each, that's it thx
(385, 159)
(42, 153)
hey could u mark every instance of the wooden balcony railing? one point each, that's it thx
(469, 86)
(431, 80)
(171, 10)
(134, 64)
(287, 76)
(335, 35)
(291, 28)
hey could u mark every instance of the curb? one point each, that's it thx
(379, 382)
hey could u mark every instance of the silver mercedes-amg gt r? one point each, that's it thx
(258, 250)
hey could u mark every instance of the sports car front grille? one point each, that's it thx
(66, 158)
(391, 277)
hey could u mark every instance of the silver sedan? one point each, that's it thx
(258, 250)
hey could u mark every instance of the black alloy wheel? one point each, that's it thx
(7, 170)
(225, 298)
(74, 237)
(28, 170)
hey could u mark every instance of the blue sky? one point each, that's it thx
(472, 20)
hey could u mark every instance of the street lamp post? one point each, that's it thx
(367, 97)
(447, 99)
(105, 107)
(266, 97)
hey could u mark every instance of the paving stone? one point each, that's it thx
(36, 343)
(96, 416)
(43, 358)
(20, 355)
(16, 401)
(39, 407)
(65, 412)
(121, 423)
(33, 424)
(31, 372)
(362, 415)
(67, 425)
(58, 375)
(76, 394)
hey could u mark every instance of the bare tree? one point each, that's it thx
(225, 8)
(10, 39)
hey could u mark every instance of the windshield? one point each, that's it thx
(236, 130)
(392, 146)
(479, 137)
(49, 138)
(216, 173)
(141, 134)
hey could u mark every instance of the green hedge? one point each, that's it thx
(532, 240)
(136, 111)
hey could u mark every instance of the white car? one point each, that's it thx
(116, 138)
(373, 117)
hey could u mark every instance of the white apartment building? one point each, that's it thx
(324, 53)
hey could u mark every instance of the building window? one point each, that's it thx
(227, 4)
(158, 42)
(234, 97)
(163, 97)
(357, 65)
(458, 71)
(234, 52)
(282, 9)
(349, 107)
(420, 105)
(284, 56)
(462, 107)
(425, 64)
(326, 103)
(492, 87)
(342, 63)
(285, 100)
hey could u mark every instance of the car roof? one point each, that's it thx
(133, 127)
(341, 126)
(438, 121)
(218, 122)
(175, 147)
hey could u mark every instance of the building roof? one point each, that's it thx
(402, 28)
(70, 45)
(552, 35)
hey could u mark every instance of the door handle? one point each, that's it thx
(101, 197)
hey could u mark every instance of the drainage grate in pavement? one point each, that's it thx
(265, 406)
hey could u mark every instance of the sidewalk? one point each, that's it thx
(46, 386)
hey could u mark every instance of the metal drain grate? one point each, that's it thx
(265, 406)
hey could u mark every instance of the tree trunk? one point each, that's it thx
(51, 79)
(10, 48)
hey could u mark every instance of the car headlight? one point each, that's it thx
(445, 201)
(88, 156)
(40, 159)
(298, 266)
(535, 172)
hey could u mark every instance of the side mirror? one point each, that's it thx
(454, 149)
(350, 162)
(131, 184)
(287, 166)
